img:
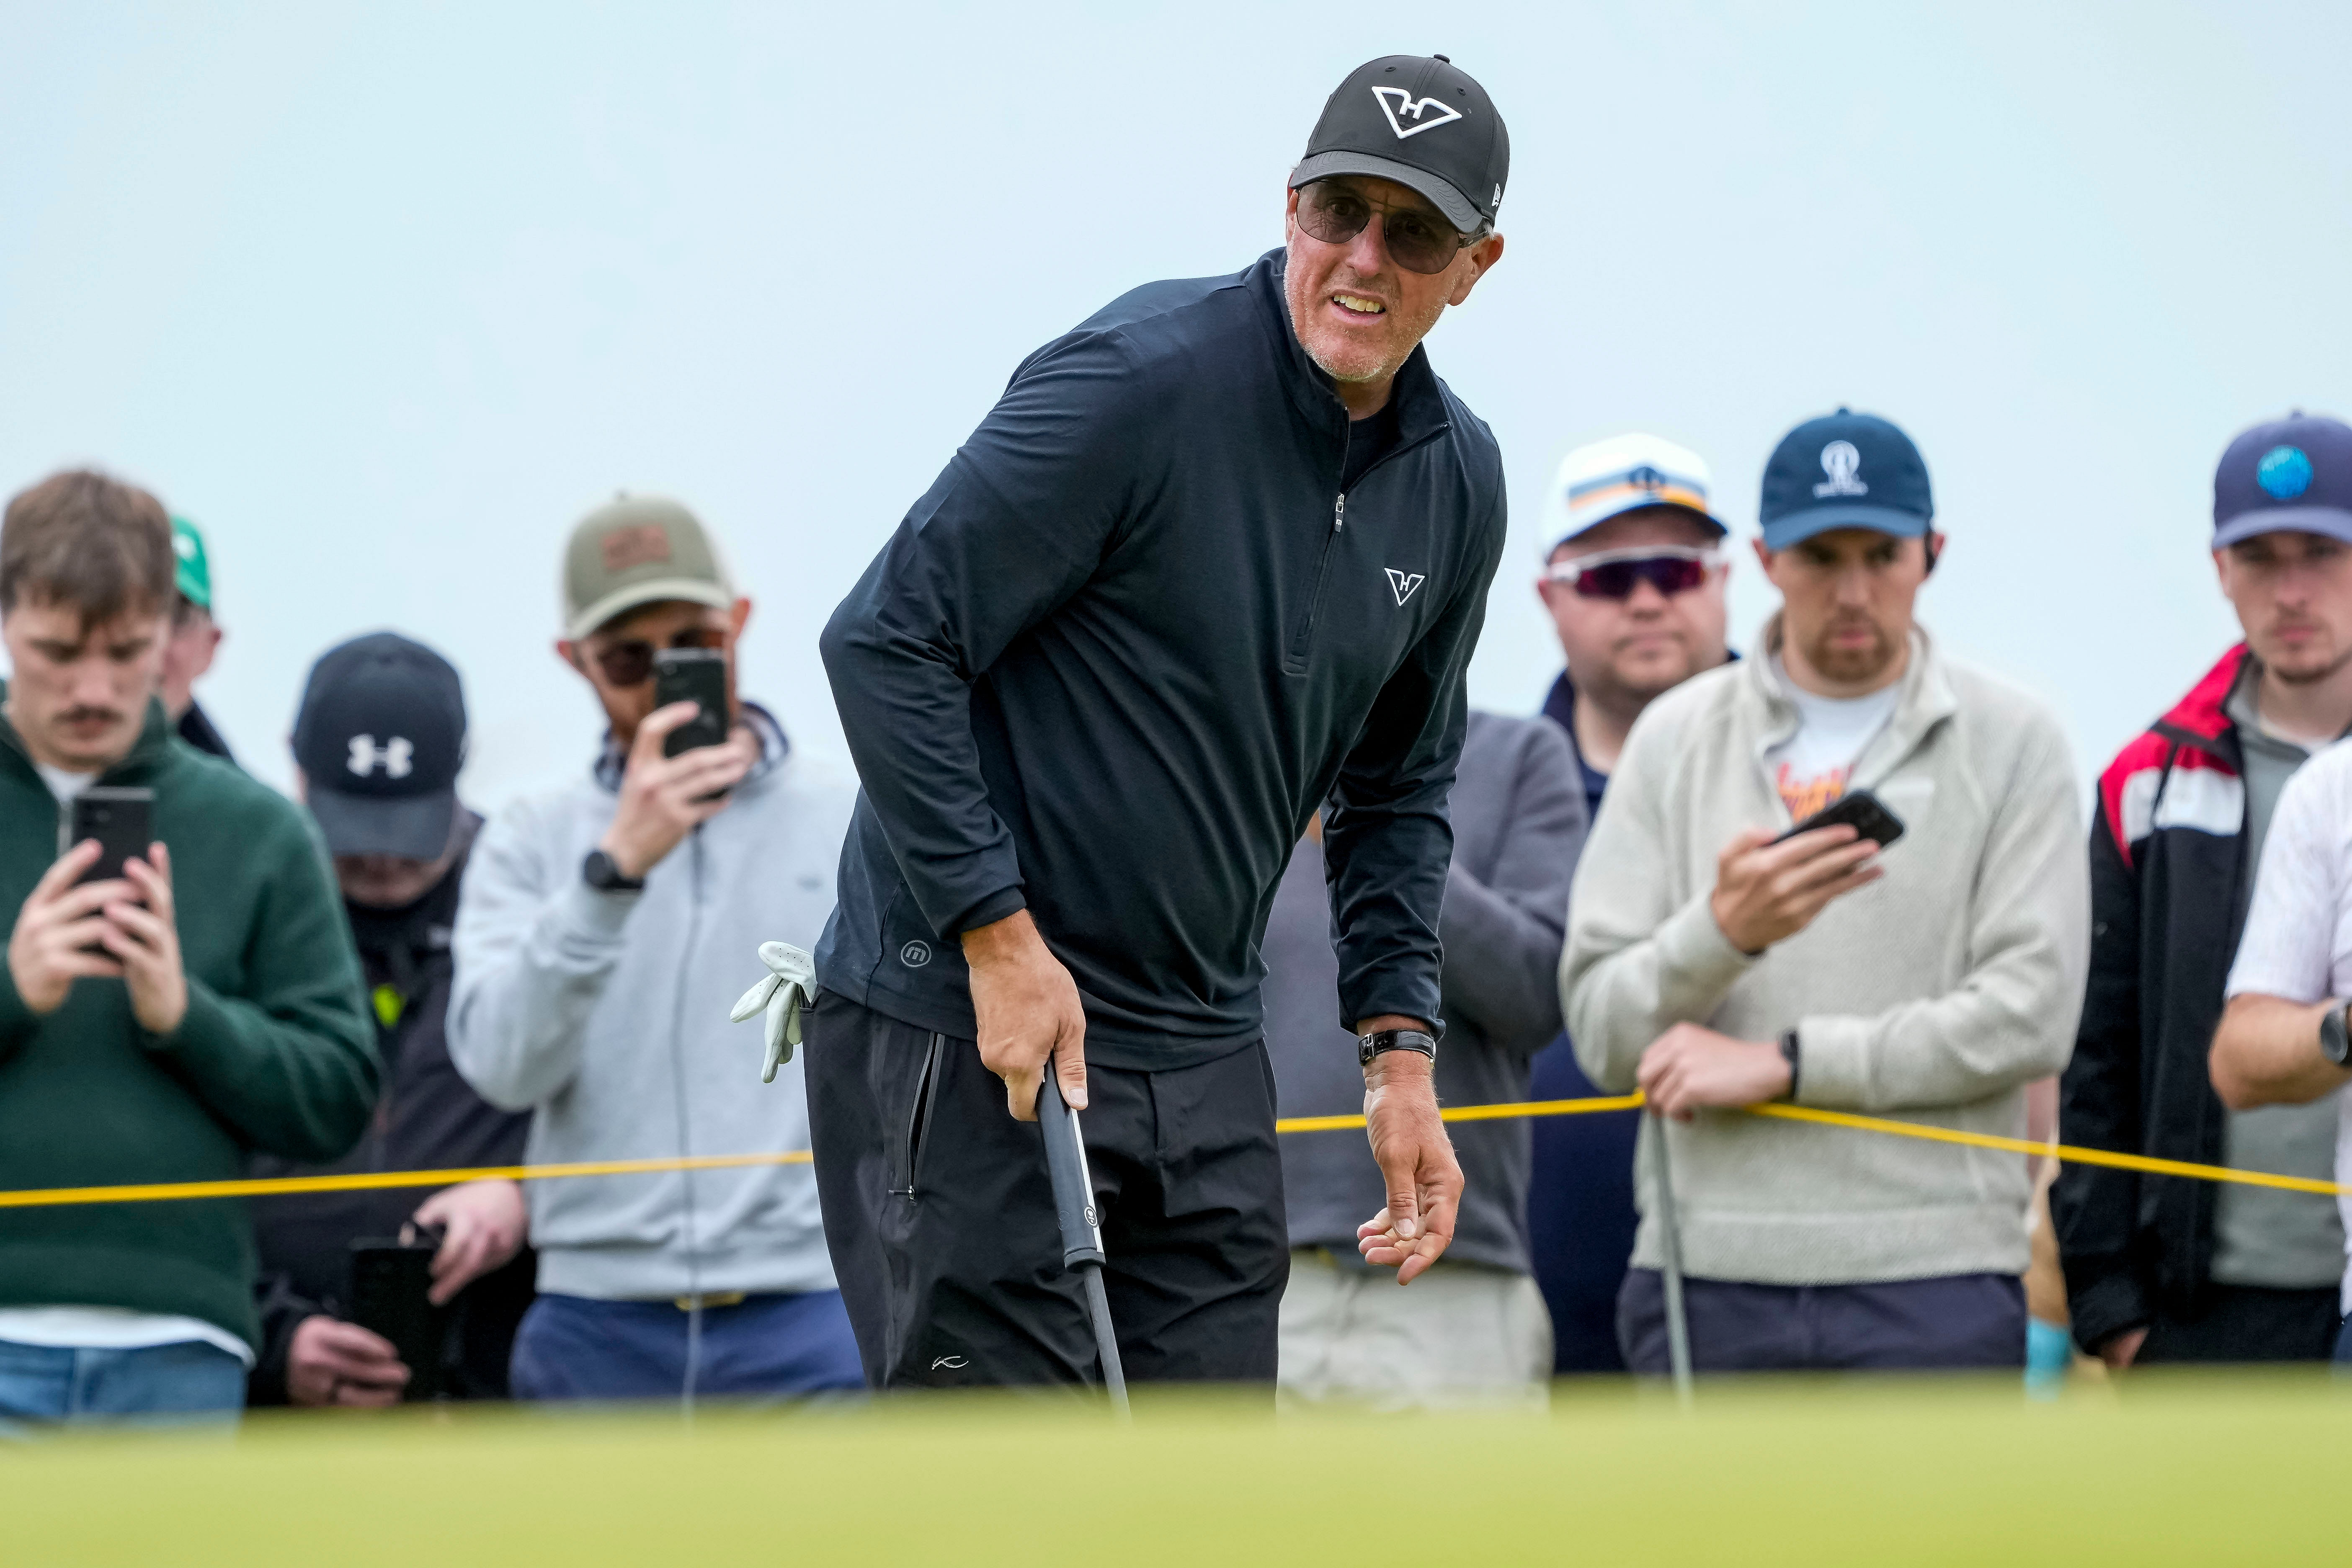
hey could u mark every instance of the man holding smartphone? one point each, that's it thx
(1218, 557)
(143, 1038)
(1715, 965)
(602, 929)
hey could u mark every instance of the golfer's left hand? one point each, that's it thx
(1689, 1069)
(1416, 1161)
(146, 942)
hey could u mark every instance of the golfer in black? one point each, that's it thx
(1217, 558)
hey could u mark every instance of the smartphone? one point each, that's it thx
(697, 675)
(389, 1281)
(121, 820)
(1860, 810)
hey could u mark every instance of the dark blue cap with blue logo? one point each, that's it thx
(2292, 475)
(1845, 470)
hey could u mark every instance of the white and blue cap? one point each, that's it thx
(1622, 474)
(1845, 470)
(2292, 475)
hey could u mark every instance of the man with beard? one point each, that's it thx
(2165, 1270)
(1217, 559)
(1715, 965)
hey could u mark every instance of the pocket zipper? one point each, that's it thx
(919, 1117)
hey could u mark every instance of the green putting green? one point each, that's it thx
(2165, 1470)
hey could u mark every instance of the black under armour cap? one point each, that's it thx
(2292, 475)
(1421, 121)
(380, 737)
(1845, 470)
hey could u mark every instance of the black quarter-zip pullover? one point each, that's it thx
(1137, 629)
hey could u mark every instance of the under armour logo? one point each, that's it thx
(1840, 462)
(393, 756)
(1404, 582)
(953, 1362)
(1395, 102)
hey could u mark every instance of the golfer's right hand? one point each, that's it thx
(1028, 1009)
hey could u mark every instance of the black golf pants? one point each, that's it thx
(939, 1215)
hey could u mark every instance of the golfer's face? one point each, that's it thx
(1357, 313)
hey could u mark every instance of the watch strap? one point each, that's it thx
(1373, 1045)
(599, 872)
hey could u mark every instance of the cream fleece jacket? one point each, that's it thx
(1933, 995)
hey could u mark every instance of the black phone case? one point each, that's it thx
(389, 1281)
(121, 820)
(1860, 810)
(698, 675)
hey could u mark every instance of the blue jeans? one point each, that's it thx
(771, 1347)
(2344, 1347)
(190, 1383)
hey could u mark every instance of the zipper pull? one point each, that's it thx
(1340, 511)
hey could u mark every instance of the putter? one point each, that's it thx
(1074, 1206)
(1670, 1248)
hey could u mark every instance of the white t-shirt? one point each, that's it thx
(106, 1328)
(2298, 939)
(1811, 767)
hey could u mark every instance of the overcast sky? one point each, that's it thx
(386, 296)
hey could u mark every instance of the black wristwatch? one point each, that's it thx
(1370, 1045)
(2335, 1044)
(599, 872)
(1793, 1056)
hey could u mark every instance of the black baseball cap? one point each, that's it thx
(2292, 475)
(1421, 121)
(380, 737)
(1845, 470)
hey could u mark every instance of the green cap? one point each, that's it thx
(193, 567)
(634, 551)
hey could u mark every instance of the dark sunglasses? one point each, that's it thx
(631, 663)
(1613, 574)
(1417, 241)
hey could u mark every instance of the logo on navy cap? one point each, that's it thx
(2284, 473)
(1841, 461)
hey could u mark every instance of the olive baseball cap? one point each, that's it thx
(634, 551)
(192, 565)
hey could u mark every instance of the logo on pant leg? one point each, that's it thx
(953, 1362)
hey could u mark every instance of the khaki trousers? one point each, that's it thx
(1458, 1335)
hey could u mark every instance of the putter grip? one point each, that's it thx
(1066, 1162)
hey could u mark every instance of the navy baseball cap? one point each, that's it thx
(380, 737)
(2291, 475)
(1845, 470)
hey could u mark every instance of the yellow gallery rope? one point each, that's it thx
(274, 1186)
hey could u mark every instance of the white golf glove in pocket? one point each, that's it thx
(789, 987)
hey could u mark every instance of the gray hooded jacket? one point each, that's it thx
(605, 1014)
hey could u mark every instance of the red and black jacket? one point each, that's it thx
(2167, 862)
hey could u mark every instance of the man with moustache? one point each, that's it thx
(1217, 558)
(144, 1037)
(1716, 966)
(1633, 579)
(2166, 1270)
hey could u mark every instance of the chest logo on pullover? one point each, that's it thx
(393, 756)
(1404, 582)
(1395, 102)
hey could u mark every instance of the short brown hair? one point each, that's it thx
(89, 544)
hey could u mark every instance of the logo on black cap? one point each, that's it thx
(1395, 100)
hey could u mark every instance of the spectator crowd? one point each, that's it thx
(1837, 868)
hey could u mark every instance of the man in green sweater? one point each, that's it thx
(162, 1021)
